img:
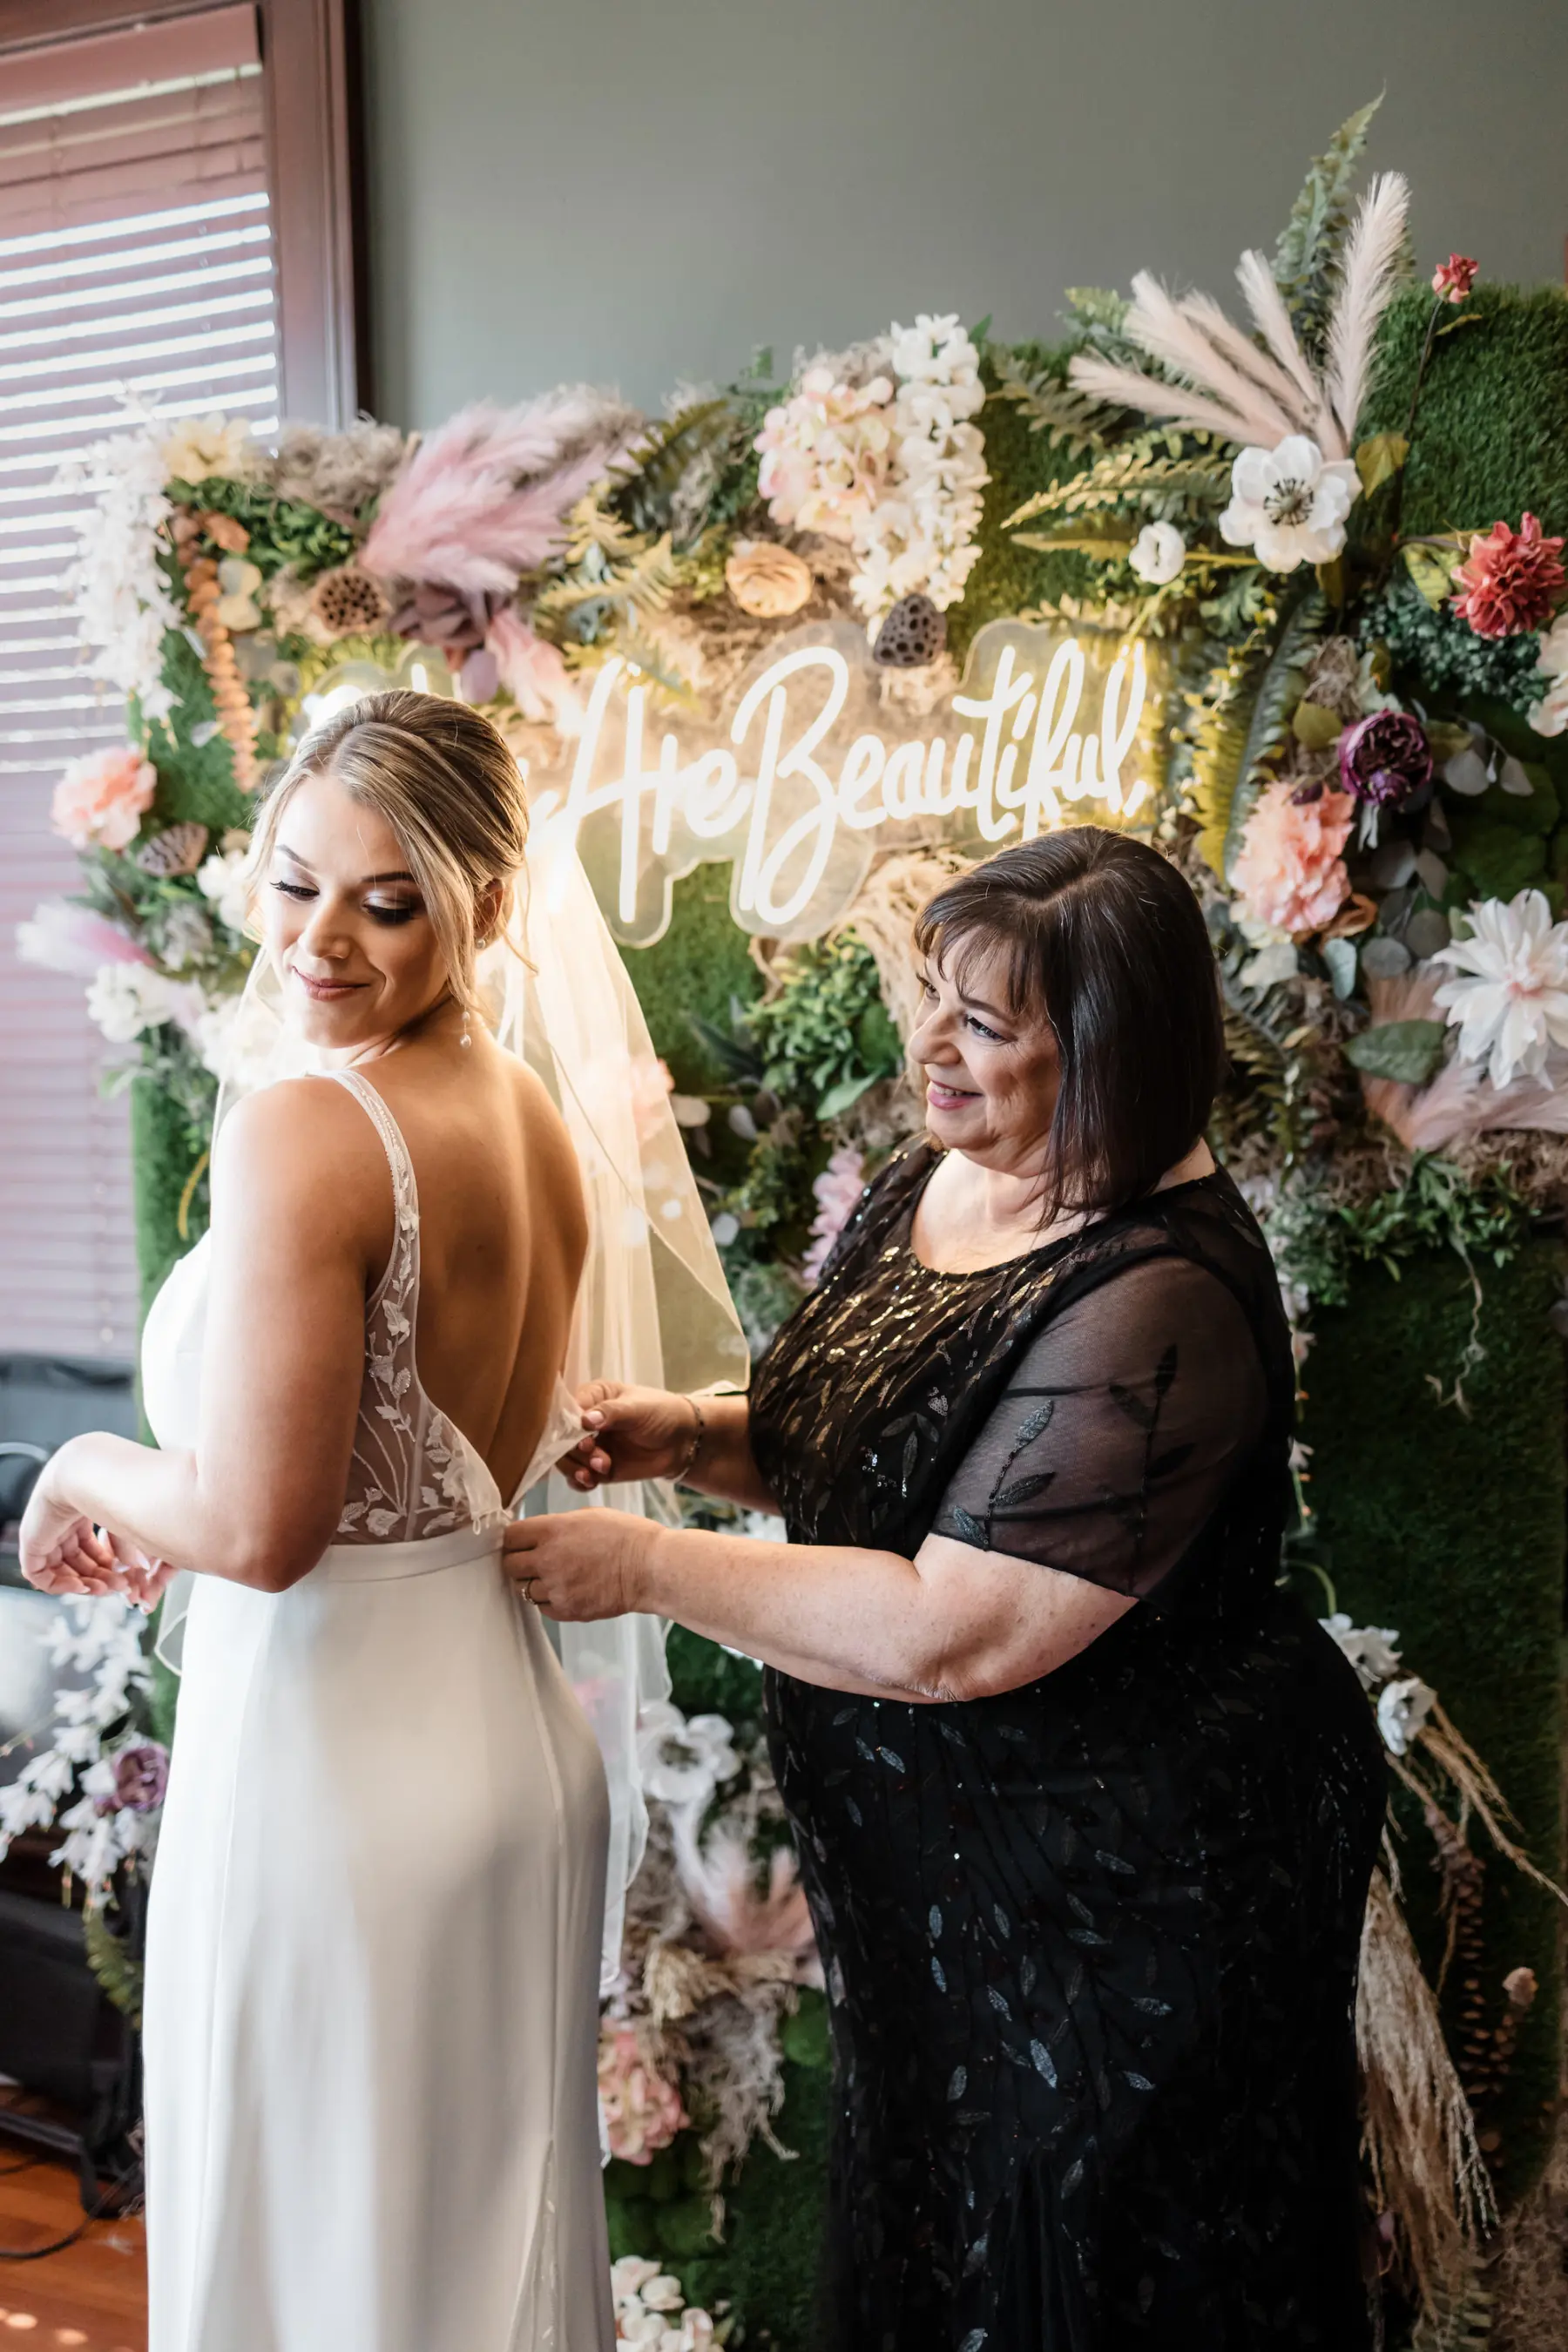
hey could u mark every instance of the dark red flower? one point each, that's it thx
(1453, 278)
(1385, 759)
(1513, 582)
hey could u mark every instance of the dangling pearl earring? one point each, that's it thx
(465, 1041)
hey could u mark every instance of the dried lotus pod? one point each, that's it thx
(767, 581)
(348, 603)
(913, 634)
(178, 849)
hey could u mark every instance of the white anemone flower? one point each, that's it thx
(1509, 998)
(684, 1759)
(1158, 554)
(1290, 503)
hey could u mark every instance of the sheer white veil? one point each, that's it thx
(653, 1307)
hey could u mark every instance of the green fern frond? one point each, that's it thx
(640, 575)
(1097, 306)
(1133, 477)
(1278, 692)
(657, 663)
(645, 484)
(591, 524)
(116, 1971)
(1218, 738)
(1069, 420)
(1308, 249)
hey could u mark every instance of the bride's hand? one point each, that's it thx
(61, 1551)
(581, 1565)
(629, 1433)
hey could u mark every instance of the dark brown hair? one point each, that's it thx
(1104, 939)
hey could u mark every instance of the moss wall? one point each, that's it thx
(1450, 1528)
(1491, 433)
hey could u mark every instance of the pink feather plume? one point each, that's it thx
(486, 498)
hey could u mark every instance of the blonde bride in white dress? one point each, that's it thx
(374, 1948)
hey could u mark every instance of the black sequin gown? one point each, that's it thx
(1091, 1946)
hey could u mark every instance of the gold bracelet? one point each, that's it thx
(699, 1433)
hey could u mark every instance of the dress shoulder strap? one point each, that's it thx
(403, 1265)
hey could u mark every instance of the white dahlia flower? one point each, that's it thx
(1510, 997)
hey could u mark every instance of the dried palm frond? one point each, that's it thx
(883, 918)
(1217, 381)
(1417, 2130)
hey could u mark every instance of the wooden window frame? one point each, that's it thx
(311, 52)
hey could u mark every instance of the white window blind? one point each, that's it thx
(135, 255)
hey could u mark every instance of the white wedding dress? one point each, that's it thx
(372, 1958)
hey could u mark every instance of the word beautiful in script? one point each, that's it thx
(774, 804)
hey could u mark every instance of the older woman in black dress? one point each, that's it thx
(1086, 1807)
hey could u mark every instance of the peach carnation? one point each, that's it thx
(1512, 580)
(1290, 873)
(641, 2111)
(99, 802)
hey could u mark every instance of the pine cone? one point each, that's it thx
(178, 849)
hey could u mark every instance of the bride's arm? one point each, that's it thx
(297, 1213)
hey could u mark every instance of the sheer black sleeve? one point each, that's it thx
(1122, 1426)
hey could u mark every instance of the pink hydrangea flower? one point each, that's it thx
(1453, 278)
(1290, 873)
(642, 2110)
(99, 802)
(837, 1190)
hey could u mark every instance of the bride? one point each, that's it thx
(374, 1942)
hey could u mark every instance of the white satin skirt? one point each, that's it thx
(371, 2011)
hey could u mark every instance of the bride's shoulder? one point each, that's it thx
(302, 1138)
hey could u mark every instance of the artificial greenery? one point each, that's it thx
(1319, 1241)
(690, 983)
(1432, 648)
(827, 1035)
(282, 531)
(1491, 432)
(1446, 1524)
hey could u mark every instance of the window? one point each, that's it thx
(139, 250)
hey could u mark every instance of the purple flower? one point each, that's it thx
(1385, 759)
(141, 1777)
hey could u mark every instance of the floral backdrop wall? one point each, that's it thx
(1336, 503)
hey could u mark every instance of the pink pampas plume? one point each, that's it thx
(486, 498)
(720, 1884)
(533, 673)
(62, 937)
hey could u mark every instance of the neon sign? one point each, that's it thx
(821, 763)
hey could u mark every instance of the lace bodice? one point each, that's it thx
(414, 1473)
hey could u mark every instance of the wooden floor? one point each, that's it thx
(91, 2296)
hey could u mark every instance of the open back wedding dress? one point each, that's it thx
(374, 1941)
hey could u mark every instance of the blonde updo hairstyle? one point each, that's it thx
(445, 782)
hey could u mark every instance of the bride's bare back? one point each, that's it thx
(502, 1237)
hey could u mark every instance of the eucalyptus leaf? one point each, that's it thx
(1341, 959)
(848, 1091)
(1406, 1051)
